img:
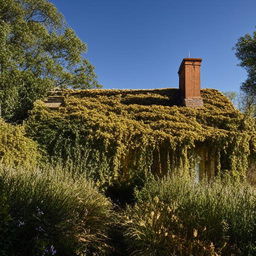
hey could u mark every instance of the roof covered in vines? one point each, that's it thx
(128, 129)
(153, 110)
(155, 113)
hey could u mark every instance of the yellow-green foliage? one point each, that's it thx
(51, 210)
(122, 132)
(15, 148)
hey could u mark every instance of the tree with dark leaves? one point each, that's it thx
(246, 53)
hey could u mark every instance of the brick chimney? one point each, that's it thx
(189, 82)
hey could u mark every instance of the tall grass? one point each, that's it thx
(50, 212)
(175, 216)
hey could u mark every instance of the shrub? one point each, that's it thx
(175, 216)
(15, 148)
(52, 213)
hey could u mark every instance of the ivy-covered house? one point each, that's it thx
(122, 134)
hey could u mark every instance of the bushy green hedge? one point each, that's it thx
(175, 216)
(47, 212)
(15, 148)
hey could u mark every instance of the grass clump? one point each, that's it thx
(48, 212)
(175, 216)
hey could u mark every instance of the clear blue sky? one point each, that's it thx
(140, 43)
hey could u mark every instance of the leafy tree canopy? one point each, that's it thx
(38, 52)
(246, 53)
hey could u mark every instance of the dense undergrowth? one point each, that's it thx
(109, 146)
(50, 212)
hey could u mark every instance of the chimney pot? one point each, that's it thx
(189, 82)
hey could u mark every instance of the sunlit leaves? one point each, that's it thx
(15, 148)
(35, 41)
(124, 134)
